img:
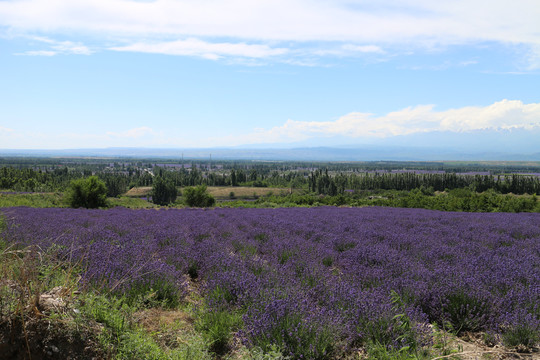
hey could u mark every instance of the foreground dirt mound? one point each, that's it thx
(41, 338)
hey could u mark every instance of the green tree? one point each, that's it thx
(116, 184)
(198, 197)
(234, 181)
(90, 193)
(163, 191)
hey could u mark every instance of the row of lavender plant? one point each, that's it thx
(315, 281)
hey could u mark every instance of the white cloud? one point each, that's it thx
(299, 20)
(506, 114)
(5, 130)
(364, 48)
(39, 53)
(58, 48)
(133, 133)
(196, 47)
(533, 58)
(68, 47)
(345, 50)
(368, 26)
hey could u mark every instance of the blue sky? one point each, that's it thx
(213, 73)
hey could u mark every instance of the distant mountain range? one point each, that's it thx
(502, 145)
(366, 153)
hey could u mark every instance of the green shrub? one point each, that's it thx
(193, 270)
(217, 327)
(284, 256)
(261, 237)
(392, 336)
(341, 246)
(3, 225)
(381, 352)
(327, 261)
(137, 344)
(298, 338)
(90, 193)
(113, 313)
(465, 312)
(163, 191)
(272, 353)
(198, 197)
(159, 293)
(523, 334)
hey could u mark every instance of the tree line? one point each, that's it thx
(322, 183)
(319, 181)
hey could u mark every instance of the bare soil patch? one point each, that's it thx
(155, 319)
(222, 191)
(139, 191)
(471, 346)
(244, 191)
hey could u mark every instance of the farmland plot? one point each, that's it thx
(315, 282)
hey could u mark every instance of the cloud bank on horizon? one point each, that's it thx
(356, 127)
(282, 29)
(502, 115)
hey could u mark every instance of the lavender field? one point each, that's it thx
(316, 282)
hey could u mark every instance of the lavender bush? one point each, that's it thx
(316, 282)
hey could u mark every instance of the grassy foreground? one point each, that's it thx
(46, 314)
